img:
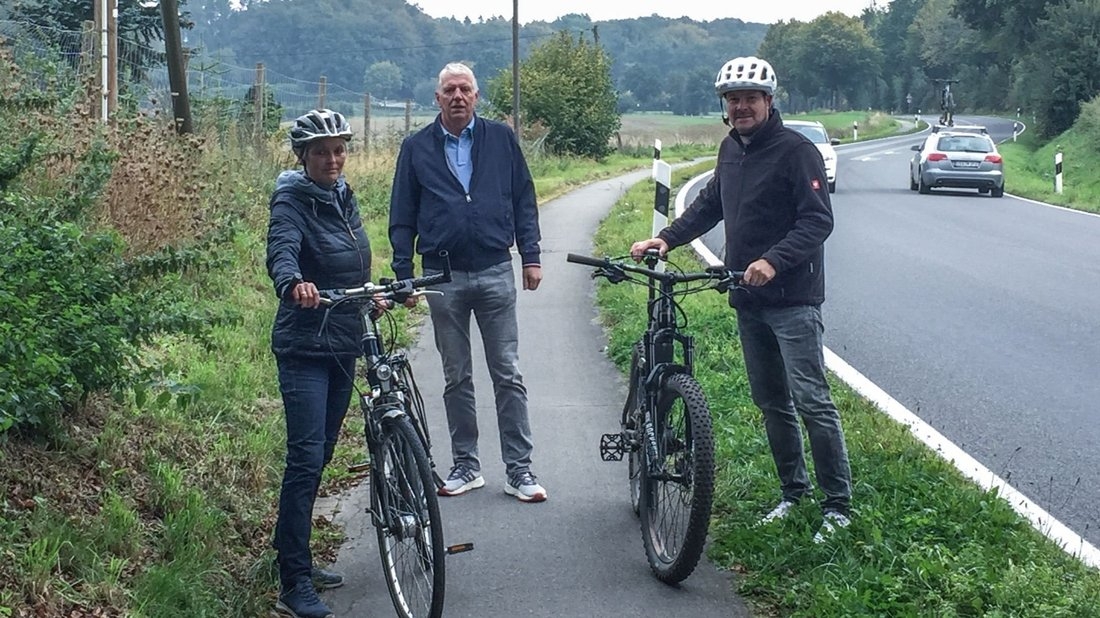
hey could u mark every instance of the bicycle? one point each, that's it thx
(404, 508)
(665, 430)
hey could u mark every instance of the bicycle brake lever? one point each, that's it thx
(614, 275)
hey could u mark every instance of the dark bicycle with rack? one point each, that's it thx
(404, 508)
(665, 431)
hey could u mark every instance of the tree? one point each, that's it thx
(138, 21)
(833, 54)
(565, 84)
(1062, 67)
(383, 79)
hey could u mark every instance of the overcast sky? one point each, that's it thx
(757, 11)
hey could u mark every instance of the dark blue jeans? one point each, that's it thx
(316, 394)
(786, 370)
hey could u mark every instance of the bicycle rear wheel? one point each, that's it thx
(410, 533)
(678, 487)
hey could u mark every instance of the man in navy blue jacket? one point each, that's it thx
(462, 186)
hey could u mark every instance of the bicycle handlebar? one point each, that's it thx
(724, 276)
(388, 290)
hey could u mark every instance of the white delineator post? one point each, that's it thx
(1058, 172)
(662, 177)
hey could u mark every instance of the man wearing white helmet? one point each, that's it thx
(769, 188)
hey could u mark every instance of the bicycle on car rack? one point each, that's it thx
(665, 431)
(404, 508)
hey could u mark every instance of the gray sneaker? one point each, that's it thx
(779, 512)
(461, 480)
(525, 487)
(833, 521)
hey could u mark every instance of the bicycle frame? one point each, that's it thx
(659, 344)
(390, 396)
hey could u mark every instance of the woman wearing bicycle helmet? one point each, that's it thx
(315, 240)
(769, 187)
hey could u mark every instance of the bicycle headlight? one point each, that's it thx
(384, 372)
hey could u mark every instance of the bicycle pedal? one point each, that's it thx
(612, 447)
(460, 548)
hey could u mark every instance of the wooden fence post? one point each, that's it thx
(366, 122)
(259, 108)
(321, 92)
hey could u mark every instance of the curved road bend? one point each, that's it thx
(579, 554)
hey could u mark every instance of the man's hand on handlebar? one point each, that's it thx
(638, 249)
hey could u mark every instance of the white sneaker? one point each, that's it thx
(833, 522)
(524, 487)
(779, 512)
(461, 480)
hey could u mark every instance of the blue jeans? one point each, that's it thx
(786, 370)
(316, 395)
(490, 296)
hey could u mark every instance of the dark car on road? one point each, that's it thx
(962, 160)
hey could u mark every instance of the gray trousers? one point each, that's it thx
(490, 296)
(786, 370)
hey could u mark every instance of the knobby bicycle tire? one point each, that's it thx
(675, 511)
(632, 425)
(410, 534)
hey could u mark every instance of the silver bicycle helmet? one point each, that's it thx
(317, 124)
(746, 73)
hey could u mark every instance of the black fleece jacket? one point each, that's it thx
(774, 199)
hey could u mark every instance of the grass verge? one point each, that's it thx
(924, 542)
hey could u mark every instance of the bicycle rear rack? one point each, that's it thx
(612, 447)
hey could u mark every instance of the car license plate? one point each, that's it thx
(968, 163)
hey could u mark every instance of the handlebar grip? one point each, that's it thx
(587, 261)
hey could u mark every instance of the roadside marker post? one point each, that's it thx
(662, 176)
(1058, 172)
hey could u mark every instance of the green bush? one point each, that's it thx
(73, 311)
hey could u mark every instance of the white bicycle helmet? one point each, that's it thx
(746, 73)
(317, 124)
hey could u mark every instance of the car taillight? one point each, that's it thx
(937, 156)
(993, 158)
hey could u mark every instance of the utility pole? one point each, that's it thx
(100, 15)
(177, 77)
(112, 56)
(515, 69)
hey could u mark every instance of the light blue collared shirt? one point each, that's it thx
(458, 151)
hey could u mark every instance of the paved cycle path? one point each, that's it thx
(579, 554)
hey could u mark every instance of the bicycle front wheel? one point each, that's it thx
(632, 425)
(678, 486)
(410, 531)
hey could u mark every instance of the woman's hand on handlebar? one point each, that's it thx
(638, 249)
(305, 295)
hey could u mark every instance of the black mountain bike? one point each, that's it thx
(404, 507)
(665, 431)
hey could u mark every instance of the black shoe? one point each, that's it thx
(324, 579)
(302, 601)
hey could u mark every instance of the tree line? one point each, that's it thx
(1037, 55)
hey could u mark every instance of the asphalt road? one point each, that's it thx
(979, 314)
(579, 554)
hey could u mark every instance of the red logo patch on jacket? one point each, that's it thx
(815, 184)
